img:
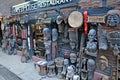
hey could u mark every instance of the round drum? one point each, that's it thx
(75, 19)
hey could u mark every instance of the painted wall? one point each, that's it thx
(6, 4)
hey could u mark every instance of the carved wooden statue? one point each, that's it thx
(51, 69)
(65, 66)
(91, 48)
(90, 68)
(54, 43)
(59, 65)
(47, 43)
(70, 72)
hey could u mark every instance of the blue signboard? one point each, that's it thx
(41, 5)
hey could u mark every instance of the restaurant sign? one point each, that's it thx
(39, 5)
(97, 19)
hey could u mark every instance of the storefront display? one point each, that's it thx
(77, 43)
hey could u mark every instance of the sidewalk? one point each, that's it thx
(26, 71)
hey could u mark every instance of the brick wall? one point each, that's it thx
(98, 3)
(6, 4)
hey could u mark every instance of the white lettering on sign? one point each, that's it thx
(28, 6)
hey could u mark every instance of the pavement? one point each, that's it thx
(25, 71)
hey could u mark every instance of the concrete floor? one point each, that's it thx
(25, 71)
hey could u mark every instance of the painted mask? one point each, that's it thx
(113, 20)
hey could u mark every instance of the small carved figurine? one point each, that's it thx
(76, 77)
(65, 65)
(70, 72)
(51, 68)
(73, 57)
(90, 68)
(84, 69)
(103, 63)
(59, 21)
(59, 65)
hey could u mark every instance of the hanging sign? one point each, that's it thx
(97, 19)
(39, 5)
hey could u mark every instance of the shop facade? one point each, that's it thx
(81, 41)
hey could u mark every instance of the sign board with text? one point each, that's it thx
(97, 19)
(41, 5)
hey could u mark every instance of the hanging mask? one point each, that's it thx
(113, 18)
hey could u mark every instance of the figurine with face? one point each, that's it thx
(73, 38)
(103, 63)
(48, 50)
(46, 34)
(92, 35)
(76, 77)
(54, 34)
(84, 69)
(59, 64)
(65, 65)
(54, 43)
(91, 68)
(59, 21)
(51, 68)
(113, 18)
(70, 72)
(91, 48)
(73, 58)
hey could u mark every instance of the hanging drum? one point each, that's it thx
(75, 19)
